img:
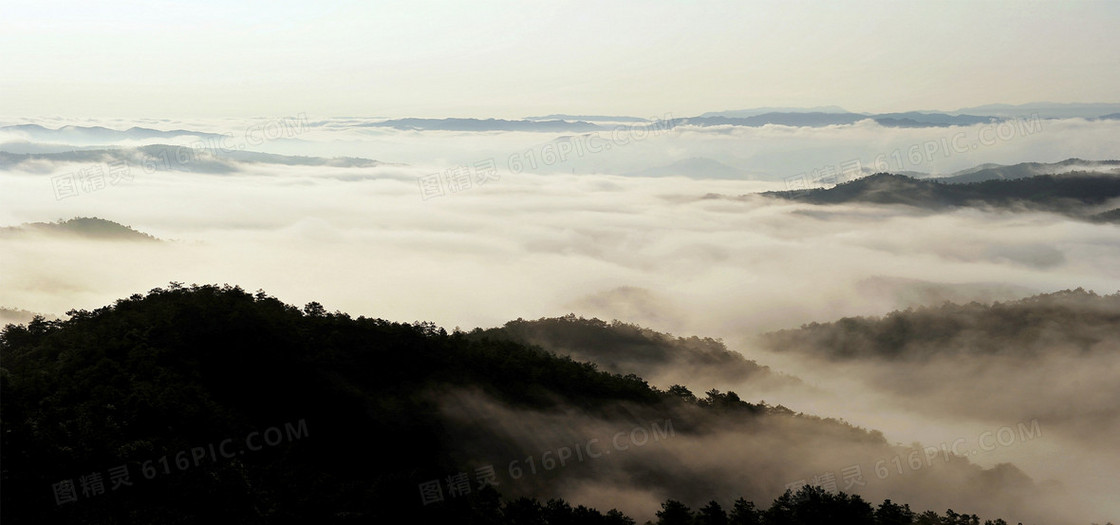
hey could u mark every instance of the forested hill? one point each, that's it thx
(1075, 194)
(78, 227)
(208, 404)
(1048, 358)
(624, 348)
(1079, 320)
(152, 375)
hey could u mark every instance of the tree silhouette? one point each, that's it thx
(890, 513)
(745, 513)
(674, 512)
(711, 514)
(781, 511)
(523, 511)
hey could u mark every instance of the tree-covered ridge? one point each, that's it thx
(626, 348)
(155, 374)
(158, 373)
(361, 410)
(809, 505)
(1069, 319)
(1024, 170)
(1075, 194)
(1042, 360)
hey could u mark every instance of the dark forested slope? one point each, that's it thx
(623, 348)
(210, 404)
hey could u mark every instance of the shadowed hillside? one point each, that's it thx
(220, 405)
(623, 348)
(1050, 357)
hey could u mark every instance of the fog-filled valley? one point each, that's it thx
(932, 316)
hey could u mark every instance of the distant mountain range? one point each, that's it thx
(743, 113)
(559, 122)
(707, 168)
(565, 123)
(99, 134)
(746, 118)
(1024, 170)
(474, 124)
(588, 118)
(911, 119)
(166, 157)
(755, 120)
(1044, 110)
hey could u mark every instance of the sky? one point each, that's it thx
(513, 59)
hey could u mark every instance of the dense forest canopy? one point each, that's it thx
(132, 413)
(1074, 319)
(626, 348)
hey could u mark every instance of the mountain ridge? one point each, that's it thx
(1076, 194)
(157, 375)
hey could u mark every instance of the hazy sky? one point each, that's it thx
(519, 58)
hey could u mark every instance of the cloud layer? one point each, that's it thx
(676, 254)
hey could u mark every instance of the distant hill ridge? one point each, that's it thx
(170, 157)
(1076, 194)
(623, 348)
(1082, 318)
(1024, 170)
(85, 227)
(558, 122)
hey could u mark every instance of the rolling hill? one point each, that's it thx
(207, 403)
